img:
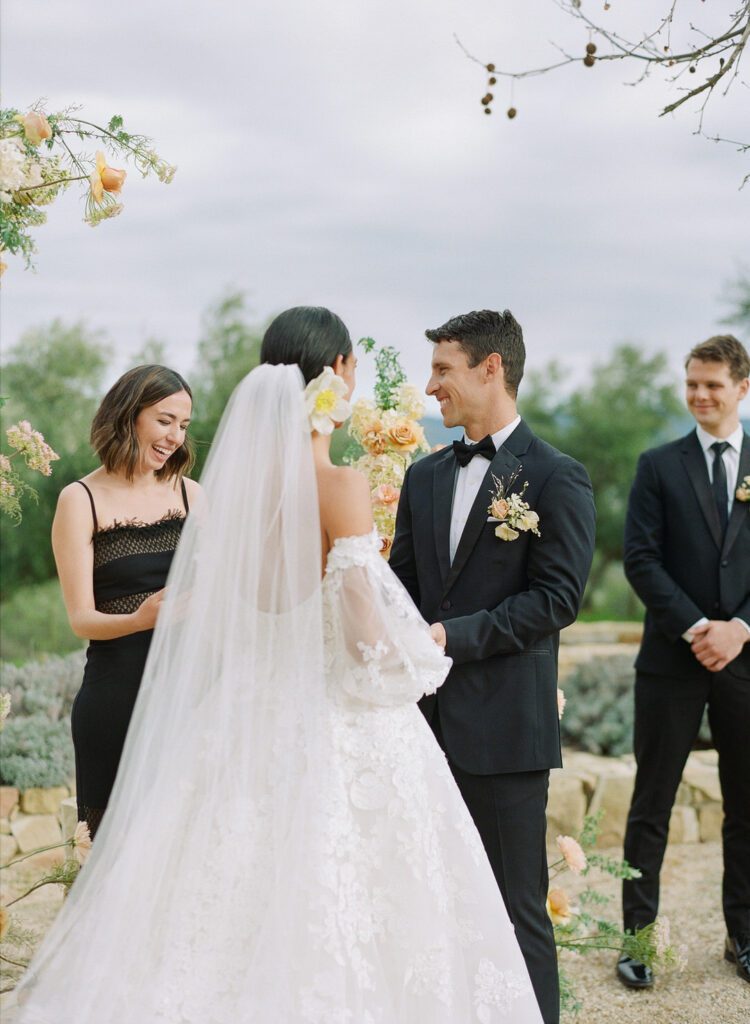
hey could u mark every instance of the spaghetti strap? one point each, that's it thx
(93, 507)
(184, 495)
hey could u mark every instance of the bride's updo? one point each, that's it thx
(310, 336)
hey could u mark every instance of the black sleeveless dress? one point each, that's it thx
(131, 562)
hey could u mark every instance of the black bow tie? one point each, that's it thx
(465, 452)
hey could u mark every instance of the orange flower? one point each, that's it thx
(499, 508)
(386, 543)
(105, 179)
(36, 127)
(402, 435)
(374, 441)
(558, 906)
(385, 494)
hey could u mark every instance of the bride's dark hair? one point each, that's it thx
(310, 336)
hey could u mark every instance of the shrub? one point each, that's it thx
(34, 622)
(36, 752)
(46, 687)
(599, 711)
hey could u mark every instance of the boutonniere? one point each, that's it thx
(511, 513)
(743, 491)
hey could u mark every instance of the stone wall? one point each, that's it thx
(589, 783)
(35, 818)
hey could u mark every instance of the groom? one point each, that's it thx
(497, 606)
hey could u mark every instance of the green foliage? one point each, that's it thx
(737, 297)
(36, 752)
(611, 598)
(629, 404)
(54, 376)
(228, 349)
(389, 375)
(600, 706)
(46, 687)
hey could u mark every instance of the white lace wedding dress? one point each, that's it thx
(278, 852)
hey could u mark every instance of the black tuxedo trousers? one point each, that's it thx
(503, 604)
(684, 567)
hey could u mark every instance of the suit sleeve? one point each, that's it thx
(557, 570)
(402, 559)
(672, 610)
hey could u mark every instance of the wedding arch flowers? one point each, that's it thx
(40, 157)
(388, 436)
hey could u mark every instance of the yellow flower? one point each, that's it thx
(574, 856)
(558, 906)
(504, 532)
(105, 179)
(36, 127)
(81, 842)
(325, 401)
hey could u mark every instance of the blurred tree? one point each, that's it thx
(737, 297)
(153, 350)
(629, 404)
(53, 376)
(229, 348)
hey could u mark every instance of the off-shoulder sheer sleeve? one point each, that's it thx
(379, 649)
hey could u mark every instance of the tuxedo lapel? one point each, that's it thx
(443, 485)
(739, 508)
(695, 465)
(506, 461)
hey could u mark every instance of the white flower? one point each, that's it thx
(12, 168)
(505, 532)
(5, 702)
(409, 402)
(81, 842)
(325, 401)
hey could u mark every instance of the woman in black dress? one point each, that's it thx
(114, 536)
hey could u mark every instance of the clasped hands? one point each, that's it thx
(716, 643)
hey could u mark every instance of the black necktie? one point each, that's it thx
(720, 483)
(465, 452)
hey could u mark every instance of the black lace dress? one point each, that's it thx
(131, 562)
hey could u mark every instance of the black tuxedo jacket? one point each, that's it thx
(676, 560)
(502, 603)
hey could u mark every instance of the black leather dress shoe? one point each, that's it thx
(633, 973)
(737, 951)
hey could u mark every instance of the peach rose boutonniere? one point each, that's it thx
(743, 491)
(508, 509)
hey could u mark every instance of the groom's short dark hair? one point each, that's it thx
(483, 332)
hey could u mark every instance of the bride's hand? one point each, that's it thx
(437, 632)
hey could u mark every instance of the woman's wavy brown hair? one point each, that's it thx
(113, 435)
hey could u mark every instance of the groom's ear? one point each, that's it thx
(493, 368)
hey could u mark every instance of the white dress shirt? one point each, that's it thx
(469, 481)
(731, 459)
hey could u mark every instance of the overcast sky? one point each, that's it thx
(336, 153)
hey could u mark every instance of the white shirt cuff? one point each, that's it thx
(687, 636)
(741, 622)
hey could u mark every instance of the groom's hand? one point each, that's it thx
(717, 643)
(437, 631)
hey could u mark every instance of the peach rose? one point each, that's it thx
(374, 441)
(36, 127)
(386, 543)
(402, 435)
(499, 508)
(574, 856)
(558, 906)
(105, 178)
(386, 495)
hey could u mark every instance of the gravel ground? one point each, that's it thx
(708, 992)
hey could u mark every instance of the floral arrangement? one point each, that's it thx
(38, 456)
(389, 436)
(39, 159)
(580, 927)
(743, 491)
(510, 511)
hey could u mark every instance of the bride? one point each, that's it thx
(285, 843)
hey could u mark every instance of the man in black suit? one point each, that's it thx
(687, 556)
(497, 606)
